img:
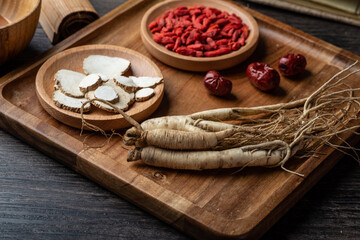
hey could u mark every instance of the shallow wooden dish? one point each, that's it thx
(72, 59)
(18, 22)
(199, 63)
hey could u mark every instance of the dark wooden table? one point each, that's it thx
(42, 199)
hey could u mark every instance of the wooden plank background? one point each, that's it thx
(39, 198)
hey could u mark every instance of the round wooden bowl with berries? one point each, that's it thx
(199, 35)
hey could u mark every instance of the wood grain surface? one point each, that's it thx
(42, 199)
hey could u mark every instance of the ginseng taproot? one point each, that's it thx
(264, 136)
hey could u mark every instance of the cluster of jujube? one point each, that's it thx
(199, 31)
(266, 78)
(261, 75)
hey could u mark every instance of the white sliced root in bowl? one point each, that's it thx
(126, 83)
(103, 77)
(146, 82)
(68, 82)
(90, 82)
(70, 103)
(125, 99)
(144, 94)
(106, 93)
(108, 66)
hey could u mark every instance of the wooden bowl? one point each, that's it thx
(18, 22)
(72, 59)
(199, 63)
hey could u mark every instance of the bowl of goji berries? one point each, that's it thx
(199, 35)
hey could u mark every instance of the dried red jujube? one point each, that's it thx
(263, 76)
(292, 64)
(217, 84)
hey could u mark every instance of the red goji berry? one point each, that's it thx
(164, 30)
(223, 15)
(170, 46)
(189, 28)
(177, 43)
(154, 30)
(169, 24)
(160, 22)
(235, 46)
(184, 37)
(222, 22)
(211, 31)
(234, 19)
(245, 32)
(167, 40)
(217, 52)
(186, 51)
(231, 26)
(171, 14)
(198, 25)
(207, 11)
(169, 34)
(157, 37)
(152, 25)
(178, 31)
(215, 11)
(199, 54)
(235, 35)
(225, 46)
(241, 41)
(181, 11)
(212, 17)
(198, 46)
(207, 47)
(206, 22)
(222, 42)
(211, 42)
(194, 11)
(194, 35)
(166, 14)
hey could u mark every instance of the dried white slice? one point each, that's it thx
(90, 82)
(70, 103)
(144, 94)
(103, 77)
(106, 93)
(108, 66)
(125, 99)
(146, 82)
(126, 83)
(68, 82)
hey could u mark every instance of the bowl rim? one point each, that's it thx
(37, 4)
(148, 36)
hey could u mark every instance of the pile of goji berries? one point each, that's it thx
(199, 31)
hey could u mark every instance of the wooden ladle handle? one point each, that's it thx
(61, 18)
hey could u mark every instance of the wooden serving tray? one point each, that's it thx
(206, 204)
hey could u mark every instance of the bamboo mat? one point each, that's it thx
(318, 10)
(61, 18)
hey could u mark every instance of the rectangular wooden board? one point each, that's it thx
(207, 204)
